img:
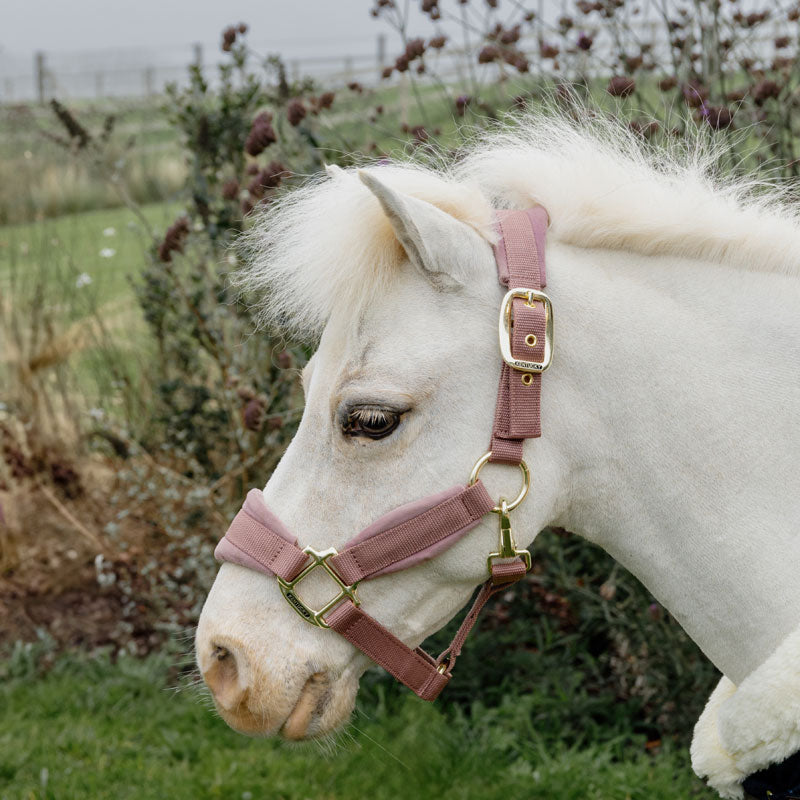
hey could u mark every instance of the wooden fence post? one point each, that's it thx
(381, 51)
(39, 72)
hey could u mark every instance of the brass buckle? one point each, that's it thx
(315, 616)
(531, 296)
(508, 547)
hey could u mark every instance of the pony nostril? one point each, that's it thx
(220, 652)
(223, 677)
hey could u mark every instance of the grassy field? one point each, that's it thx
(66, 288)
(89, 729)
(107, 245)
(41, 178)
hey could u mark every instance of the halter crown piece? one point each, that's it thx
(421, 530)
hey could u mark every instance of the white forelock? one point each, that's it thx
(328, 245)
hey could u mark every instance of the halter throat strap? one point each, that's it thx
(418, 531)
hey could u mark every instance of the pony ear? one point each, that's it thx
(435, 242)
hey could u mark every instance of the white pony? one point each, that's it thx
(670, 415)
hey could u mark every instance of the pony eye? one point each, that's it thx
(371, 422)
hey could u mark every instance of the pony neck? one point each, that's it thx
(671, 423)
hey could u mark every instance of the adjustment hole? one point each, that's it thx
(530, 340)
(527, 379)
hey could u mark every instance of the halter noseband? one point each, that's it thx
(421, 530)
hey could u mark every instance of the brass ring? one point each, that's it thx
(530, 340)
(526, 481)
(527, 378)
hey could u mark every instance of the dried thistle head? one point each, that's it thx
(228, 38)
(765, 90)
(621, 86)
(295, 111)
(174, 239)
(261, 135)
(230, 189)
(718, 117)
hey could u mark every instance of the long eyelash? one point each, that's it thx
(369, 415)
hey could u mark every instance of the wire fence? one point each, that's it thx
(143, 72)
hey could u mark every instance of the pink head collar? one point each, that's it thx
(418, 531)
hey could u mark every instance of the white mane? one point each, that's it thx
(328, 244)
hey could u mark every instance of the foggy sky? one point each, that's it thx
(298, 28)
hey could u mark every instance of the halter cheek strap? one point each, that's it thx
(520, 263)
(419, 531)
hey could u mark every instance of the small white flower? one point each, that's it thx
(82, 280)
(109, 231)
(97, 413)
(108, 252)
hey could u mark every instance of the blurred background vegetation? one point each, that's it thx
(137, 406)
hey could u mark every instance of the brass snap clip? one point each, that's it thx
(508, 547)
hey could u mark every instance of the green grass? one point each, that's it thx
(89, 729)
(107, 245)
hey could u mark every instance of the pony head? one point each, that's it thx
(399, 404)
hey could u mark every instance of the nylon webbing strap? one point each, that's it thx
(263, 545)
(413, 668)
(256, 544)
(358, 562)
(503, 575)
(520, 264)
